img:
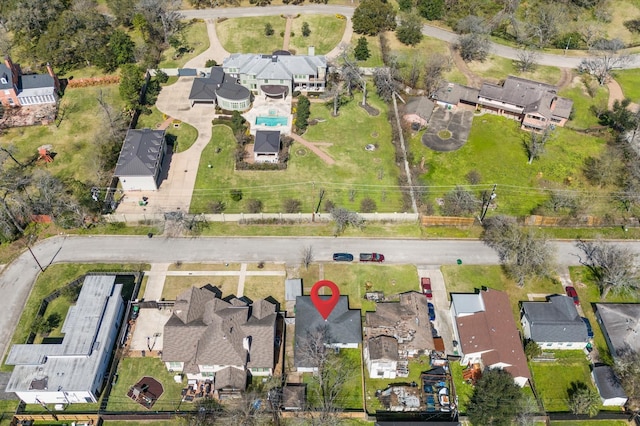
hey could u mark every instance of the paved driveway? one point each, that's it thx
(457, 121)
(440, 302)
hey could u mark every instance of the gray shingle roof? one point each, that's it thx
(7, 75)
(294, 395)
(230, 378)
(267, 141)
(453, 93)
(421, 106)
(282, 67)
(141, 153)
(36, 81)
(343, 325)
(556, 320)
(607, 382)
(233, 92)
(218, 332)
(516, 91)
(621, 323)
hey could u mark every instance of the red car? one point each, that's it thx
(425, 283)
(572, 293)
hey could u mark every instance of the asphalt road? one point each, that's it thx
(428, 30)
(18, 277)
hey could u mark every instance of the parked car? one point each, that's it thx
(432, 311)
(572, 293)
(371, 257)
(425, 283)
(589, 329)
(343, 257)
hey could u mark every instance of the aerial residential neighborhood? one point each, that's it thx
(340, 213)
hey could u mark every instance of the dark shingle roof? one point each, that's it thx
(421, 106)
(36, 81)
(7, 74)
(621, 323)
(383, 347)
(233, 92)
(230, 378)
(141, 153)
(516, 91)
(607, 382)
(267, 141)
(343, 325)
(453, 93)
(556, 320)
(203, 89)
(294, 395)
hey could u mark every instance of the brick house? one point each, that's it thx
(18, 89)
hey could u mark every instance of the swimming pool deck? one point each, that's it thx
(266, 107)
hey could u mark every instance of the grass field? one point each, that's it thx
(583, 115)
(246, 35)
(54, 277)
(495, 149)
(629, 80)
(174, 285)
(130, 371)
(196, 36)
(73, 140)
(326, 33)
(553, 379)
(351, 394)
(497, 68)
(463, 390)
(356, 174)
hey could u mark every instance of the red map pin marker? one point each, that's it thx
(323, 305)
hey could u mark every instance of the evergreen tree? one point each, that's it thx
(361, 52)
(431, 9)
(373, 16)
(495, 399)
(409, 31)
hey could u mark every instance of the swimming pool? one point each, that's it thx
(272, 121)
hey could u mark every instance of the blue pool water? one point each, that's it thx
(272, 121)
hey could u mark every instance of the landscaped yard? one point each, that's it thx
(198, 40)
(351, 395)
(495, 149)
(496, 68)
(553, 379)
(326, 33)
(130, 371)
(183, 136)
(247, 35)
(357, 173)
(584, 117)
(55, 277)
(174, 285)
(463, 389)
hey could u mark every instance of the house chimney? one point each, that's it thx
(274, 58)
(312, 51)
(53, 75)
(14, 70)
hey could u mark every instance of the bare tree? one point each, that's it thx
(590, 32)
(387, 81)
(473, 47)
(627, 369)
(613, 267)
(527, 59)
(307, 256)
(534, 143)
(527, 411)
(523, 254)
(436, 64)
(459, 202)
(343, 218)
(544, 22)
(606, 59)
(352, 76)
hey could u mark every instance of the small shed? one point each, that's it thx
(267, 146)
(292, 289)
(609, 387)
(294, 396)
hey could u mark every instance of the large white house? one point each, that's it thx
(72, 371)
(140, 162)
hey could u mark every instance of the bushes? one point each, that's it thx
(302, 113)
(93, 81)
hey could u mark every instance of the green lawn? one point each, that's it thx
(357, 173)
(74, 139)
(629, 80)
(246, 35)
(351, 395)
(198, 40)
(497, 68)
(184, 135)
(495, 150)
(591, 423)
(416, 367)
(583, 115)
(326, 33)
(174, 285)
(130, 371)
(463, 389)
(54, 277)
(553, 379)
(373, 42)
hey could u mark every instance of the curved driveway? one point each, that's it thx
(18, 277)
(428, 30)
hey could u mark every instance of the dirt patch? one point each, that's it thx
(29, 116)
(566, 78)
(472, 79)
(372, 111)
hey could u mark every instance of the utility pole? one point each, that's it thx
(32, 254)
(486, 202)
(319, 202)
(567, 48)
